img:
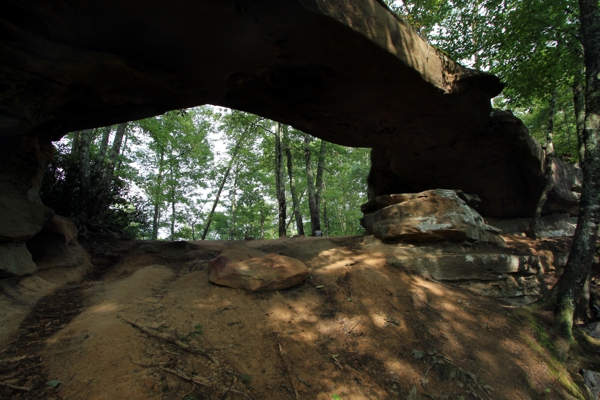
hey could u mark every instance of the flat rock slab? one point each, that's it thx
(429, 216)
(492, 274)
(241, 267)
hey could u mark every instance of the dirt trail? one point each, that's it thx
(357, 328)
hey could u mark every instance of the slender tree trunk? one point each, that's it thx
(103, 190)
(279, 182)
(233, 202)
(99, 166)
(549, 173)
(122, 149)
(315, 222)
(85, 140)
(221, 185)
(262, 225)
(571, 283)
(320, 169)
(104, 144)
(296, 203)
(75, 143)
(579, 106)
(326, 218)
(157, 202)
(172, 202)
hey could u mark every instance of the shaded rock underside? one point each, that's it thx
(349, 72)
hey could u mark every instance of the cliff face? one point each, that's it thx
(349, 72)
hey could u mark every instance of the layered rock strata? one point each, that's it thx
(430, 216)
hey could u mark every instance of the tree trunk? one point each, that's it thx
(262, 225)
(279, 183)
(233, 202)
(295, 201)
(85, 140)
(579, 106)
(315, 222)
(320, 169)
(103, 189)
(104, 144)
(223, 181)
(157, 202)
(326, 218)
(75, 144)
(570, 285)
(549, 173)
(172, 203)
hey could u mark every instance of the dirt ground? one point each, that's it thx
(151, 326)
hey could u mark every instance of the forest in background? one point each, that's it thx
(207, 173)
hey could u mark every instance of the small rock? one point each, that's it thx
(241, 267)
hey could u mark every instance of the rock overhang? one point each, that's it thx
(349, 72)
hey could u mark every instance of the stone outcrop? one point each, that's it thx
(241, 267)
(502, 164)
(22, 214)
(495, 275)
(547, 226)
(350, 72)
(430, 216)
(56, 245)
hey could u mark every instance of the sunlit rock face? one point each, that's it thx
(241, 267)
(349, 72)
(430, 216)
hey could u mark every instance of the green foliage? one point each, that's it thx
(246, 378)
(533, 46)
(61, 191)
(168, 174)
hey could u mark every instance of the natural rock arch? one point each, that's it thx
(347, 71)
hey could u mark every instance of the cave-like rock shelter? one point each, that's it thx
(347, 71)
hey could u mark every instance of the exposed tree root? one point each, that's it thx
(287, 368)
(25, 389)
(171, 339)
(187, 378)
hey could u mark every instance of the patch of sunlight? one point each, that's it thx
(434, 287)
(107, 307)
(374, 260)
(379, 319)
(399, 367)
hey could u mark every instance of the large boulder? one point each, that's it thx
(430, 216)
(241, 267)
(503, 165)
(21, 219)
(564, 195)
(15, 260)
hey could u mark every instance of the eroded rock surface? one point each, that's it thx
(430, 216)
(548, 226)
(502, 164)
(241, 267)
(350, 72)
(56, 245)
(22, 214)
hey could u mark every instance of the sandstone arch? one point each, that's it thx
(347, 71)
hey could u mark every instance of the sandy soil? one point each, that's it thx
(357, 328)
